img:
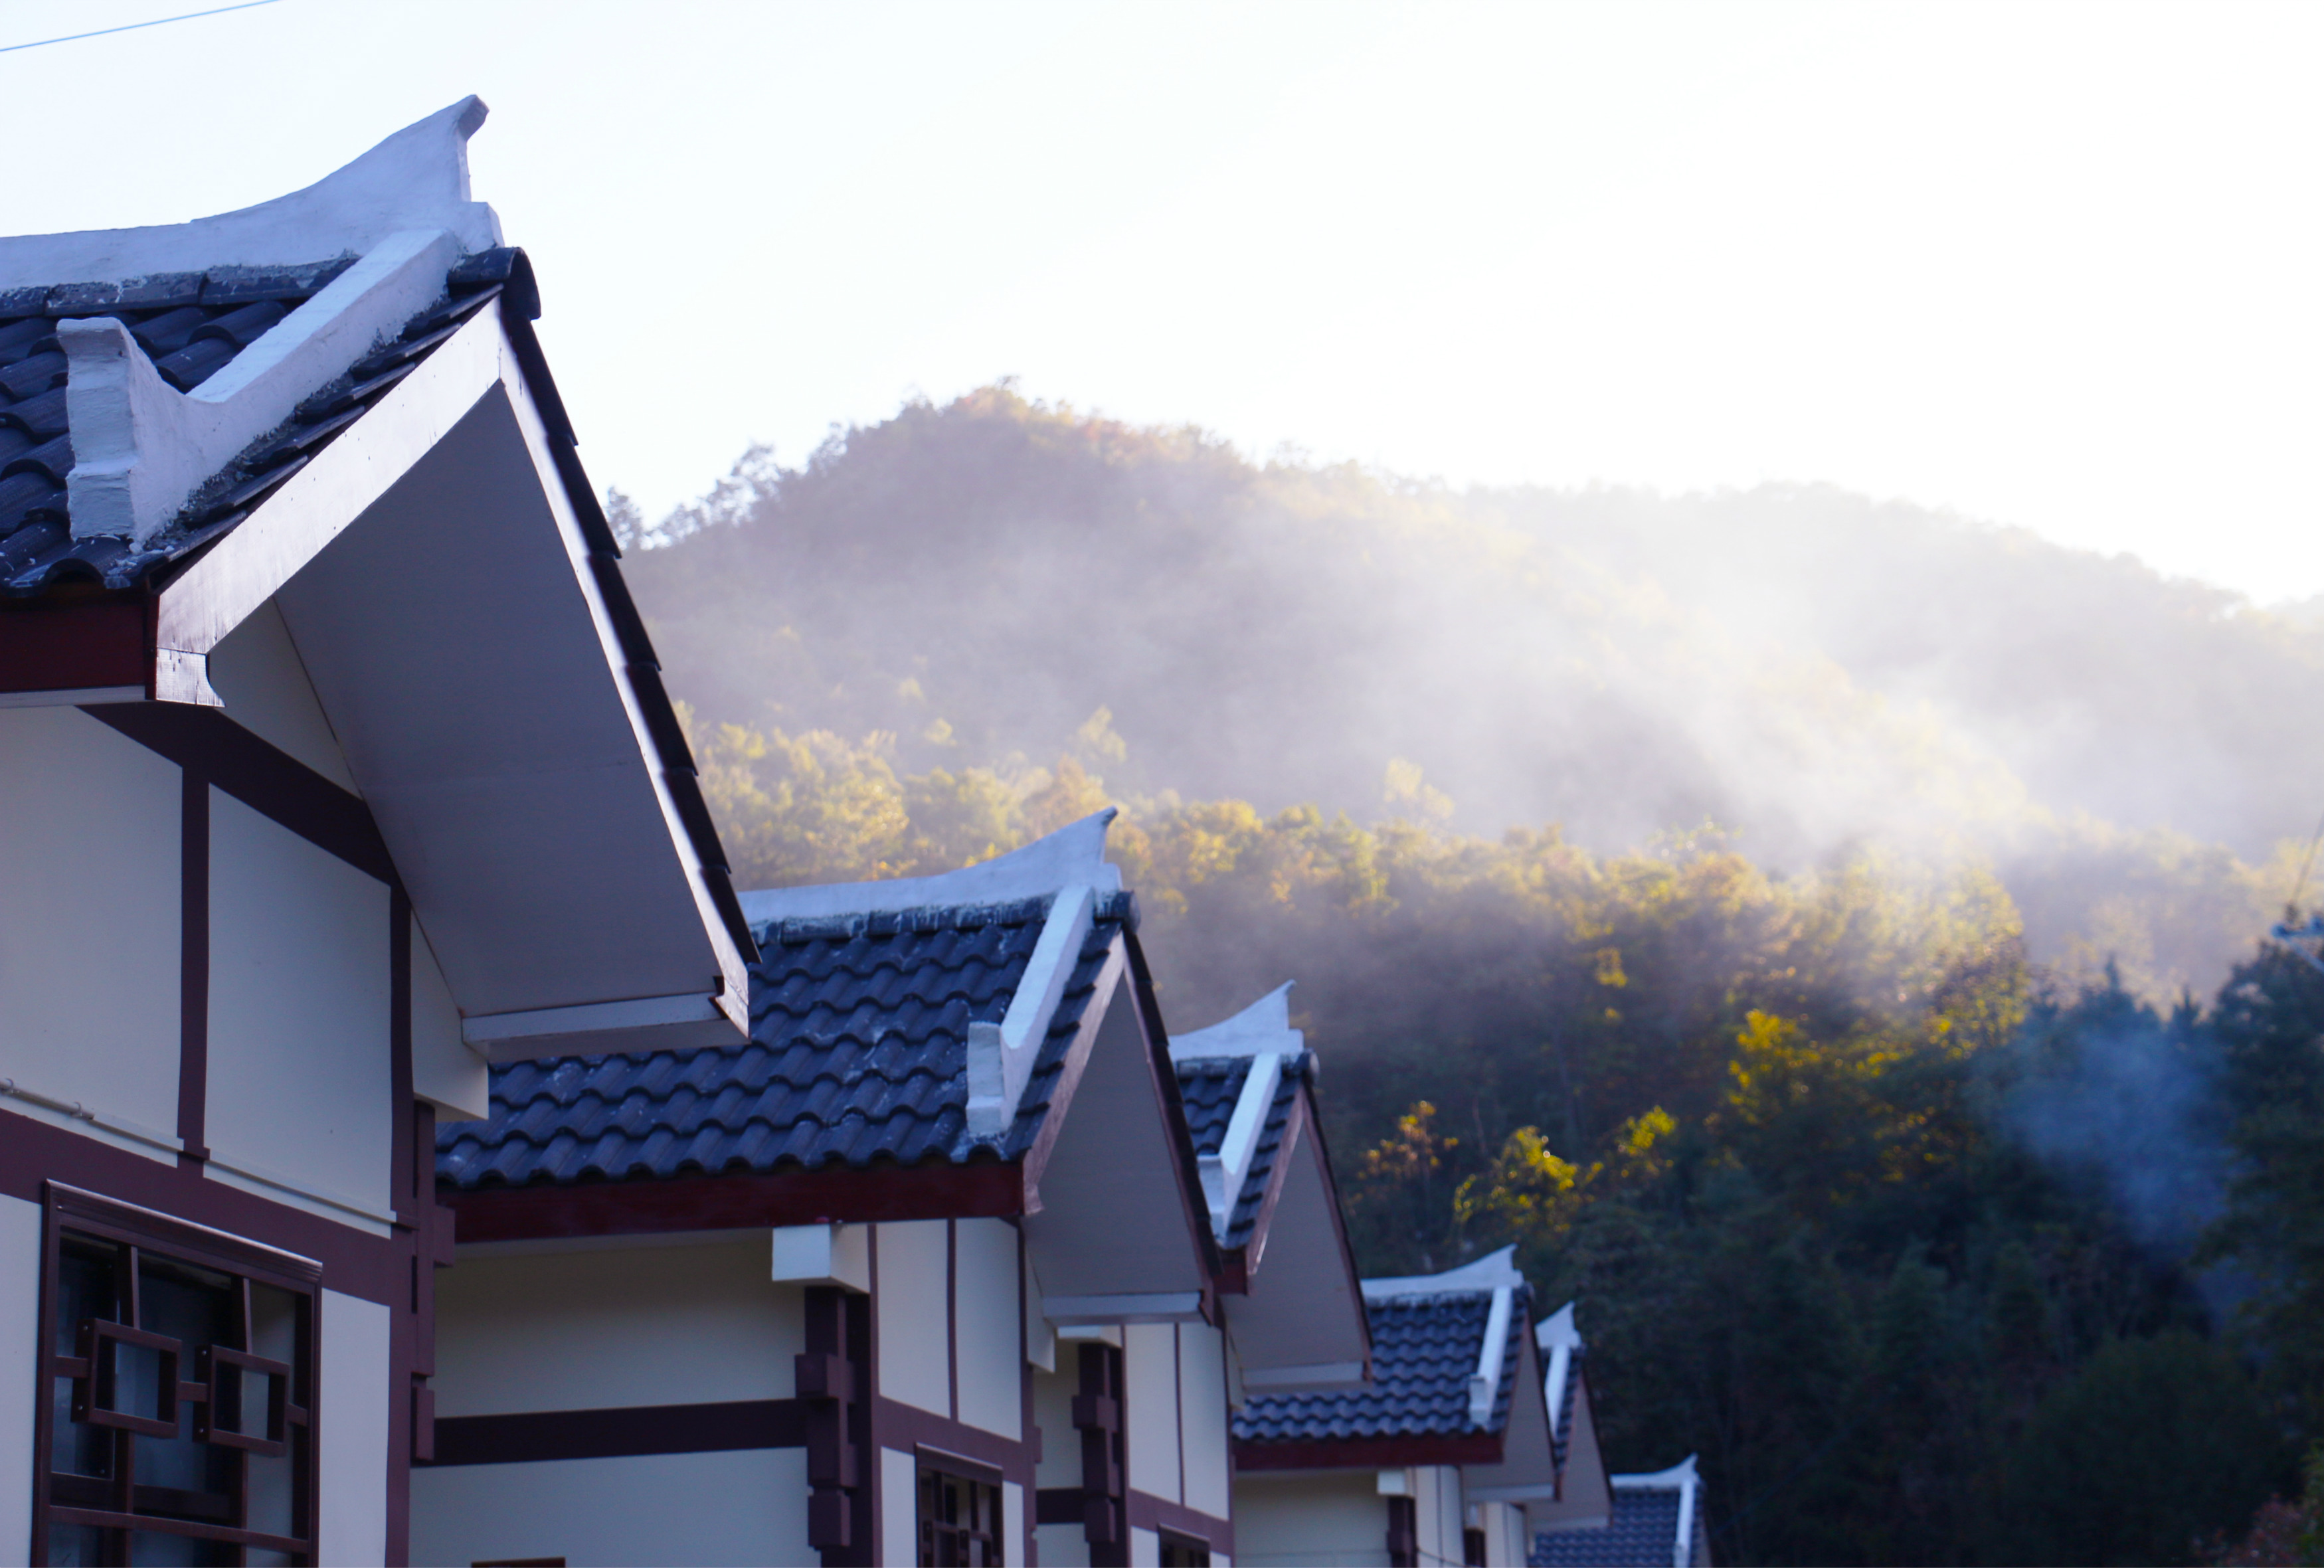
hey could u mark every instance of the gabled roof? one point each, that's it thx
(858, 1052)
(984, 1042)
(1657, 1523)
(1254, 1057)
(334, 405)
(1431, 1341)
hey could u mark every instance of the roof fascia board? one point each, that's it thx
(71, 696)
(1162, 1306)
(677, 1021)
(1318, 1377)
(1295, 1129)
(142, 447)
(242, 571)
(1381, 1452)
(1000, 1056)
(417, 178)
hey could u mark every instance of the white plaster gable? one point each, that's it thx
(1071, 857)
(417, 179)
(1493, 1271)
(1262, 1028)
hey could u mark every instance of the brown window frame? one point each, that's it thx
(931, 1549)
(1179, 1550)
(187, 1375)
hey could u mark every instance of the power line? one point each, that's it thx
(134, 26)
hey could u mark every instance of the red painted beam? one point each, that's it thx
(76, 646)
(1392, 1452)
(833, 1194)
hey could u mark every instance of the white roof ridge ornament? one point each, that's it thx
(1493, 1271)
(1071, 857)
(1558, 1329)
(142, 447)
(1262, 1028)
(417, 179)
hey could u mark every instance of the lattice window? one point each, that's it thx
(180, 1379)
(959, 1517)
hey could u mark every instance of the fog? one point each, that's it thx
(1817, 672)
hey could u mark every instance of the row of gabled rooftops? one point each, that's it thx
(235, 365)
(860, 1024)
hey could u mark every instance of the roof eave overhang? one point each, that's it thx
(499, 952)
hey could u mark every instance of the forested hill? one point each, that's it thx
(1818, 673)
(1864, 1126)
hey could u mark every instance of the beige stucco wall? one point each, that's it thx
(738, 1507)
(1310, 1518)
(697, 1323)
(915, 1340)
(300, 1071)
(989, 1325)
(357, 1382)
(90, 935)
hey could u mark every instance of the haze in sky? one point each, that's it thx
(2047, 264)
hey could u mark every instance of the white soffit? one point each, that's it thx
(1114, 1217)
(436, 582)
(1301, 1313)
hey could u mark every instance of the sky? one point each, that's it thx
(2058, 266)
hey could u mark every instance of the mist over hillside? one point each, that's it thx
(997, 585)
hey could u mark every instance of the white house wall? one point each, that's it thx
(258, 673)
(734, 1507)
(899, 1507)
(1206, 1484)
(607, 1328)
(1149, 1398)
(987, 1326)
(301, 1066)
(20, 1320)
(1310, 1518)
(89, 972)
(1440, 1513)
(445, 1072)
(356, 1385)
(915, 1338)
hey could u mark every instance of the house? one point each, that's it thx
(336, 764)
(1656, 1522)
(1291, 1297)
(925, 1269)
(1583, 1500)
(1437, 1461)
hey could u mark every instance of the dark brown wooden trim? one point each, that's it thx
(193, 964)
(832, 1195)
(34, 1153)
(1148, 1512)
(620, 1431)
(86, 645)
(96, 1214)
(909, 1428)
(1368, 1452)
(952, 1318)
(262, 777)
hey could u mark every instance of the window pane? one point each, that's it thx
(170, 1550)
(270, 1491)
(85, 1290)
(196, 1307)
(76, 1545)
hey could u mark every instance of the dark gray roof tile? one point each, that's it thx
(1424, 1349)
(858, 1052)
